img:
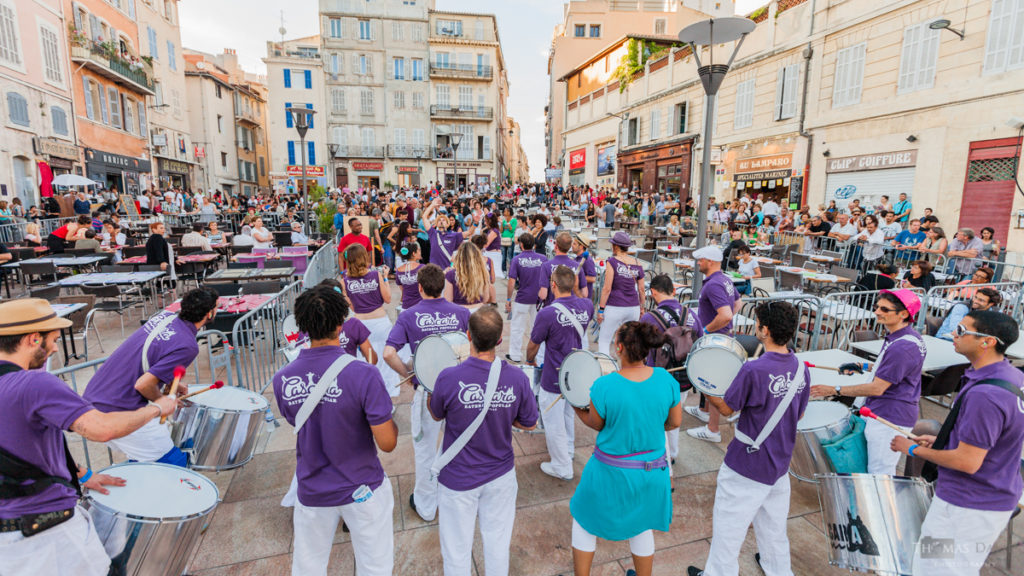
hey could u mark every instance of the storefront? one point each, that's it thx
(765, 177)
(868, 177)
(114, 171)
(172, 173)
(468, 172)
(408, 176)
(60, 155)
(315, 175)
(577, 167)
(661, 169)
(367, 174)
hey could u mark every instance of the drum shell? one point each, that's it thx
(809, 458)
(710, 342)
(457, 343)
(217, 439)
(887, 511)
(604, 363)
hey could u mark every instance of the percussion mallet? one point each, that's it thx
(217, 384)
(677, 369)
(548, 409)
(832, 368)
(179, 371)
(867, 413)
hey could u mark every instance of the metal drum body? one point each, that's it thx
(713, 362)
(151, 526)
(579, 371)
(822, 421)
(437, 352)
(873, 522)
(220, 428)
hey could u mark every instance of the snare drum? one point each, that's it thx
(578, 372)
(533, 374)
(152, 524)
(437, 352)
(873, 522)
(221, 427)
(713, 363)
(822, 421)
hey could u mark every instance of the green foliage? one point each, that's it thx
(638, 54)
(325, 216)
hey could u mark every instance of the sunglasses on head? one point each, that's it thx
(960, 331)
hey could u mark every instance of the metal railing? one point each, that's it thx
(257, 339)
(807, 306)
(112, 65)
(355, 151)
(843, 314)
(940, 299)
(14, 232)
(323, 265)
(467, 71)
(408, 151)
(467, 112)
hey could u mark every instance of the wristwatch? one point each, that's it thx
(839, 390)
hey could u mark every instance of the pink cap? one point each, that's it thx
(910, 300)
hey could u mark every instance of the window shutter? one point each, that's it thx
(287, 115)
(390, 73)
(287, 78)
(131, 8)
(309, 78)
(143, 128)
(789, 98)
(355, 64)
(780, 92)
(94, 26)
(310, 154)
(311, 116)
(487, 148)
(78, 17)
(103, 105)
(89, 113)
(291, 152)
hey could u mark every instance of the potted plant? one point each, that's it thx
(76, 36)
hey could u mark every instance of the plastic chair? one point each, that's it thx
(258, 260)
(224, 288)
(109, 298)
(81, 320)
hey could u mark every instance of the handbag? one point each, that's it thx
(506, 241)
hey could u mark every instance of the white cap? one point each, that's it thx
(713, 253)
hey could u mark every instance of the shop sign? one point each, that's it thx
(884, 161)
(173, 166)
(407, 169)
(311, 171)
(764, 164)
(368, 166)
(758, 176)
(116, 161)
(461, 165)
(56, 148)
(577, 161)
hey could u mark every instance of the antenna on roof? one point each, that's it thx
(282, 30)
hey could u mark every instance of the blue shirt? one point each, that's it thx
(83, 207)
(958, 313)
(339, 222)
(901, 207)
(906, 238)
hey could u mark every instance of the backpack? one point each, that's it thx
(679, 341)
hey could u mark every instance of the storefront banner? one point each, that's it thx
(311, 171)
(368, 166)
(758, 176)
(764, 163)
(606, 160)
(904, 159)
(577, 161)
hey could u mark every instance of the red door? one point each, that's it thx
(989, 186)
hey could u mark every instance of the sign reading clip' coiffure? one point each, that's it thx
(884, 161)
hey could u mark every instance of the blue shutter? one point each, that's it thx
(287, 114)
(88, 98)
(311, 154)
(287, 78)
(310, 107)
(309, 79)
(291, 152)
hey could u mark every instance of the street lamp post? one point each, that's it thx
(455, 138)
(708, 33)
(333, 149)
(419, 157)
(302, 118)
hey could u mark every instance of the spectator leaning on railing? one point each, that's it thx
(963, 252)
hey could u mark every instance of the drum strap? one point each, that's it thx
(881, 354)
(448, 455)
(157, 331)
(794, 386)
(572, 318)
(440, 244)
(320, 390)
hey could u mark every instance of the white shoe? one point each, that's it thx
(703, 433)
(733, 417)
(696, 413)
(549, 469)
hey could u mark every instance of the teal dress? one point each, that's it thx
(615, 503)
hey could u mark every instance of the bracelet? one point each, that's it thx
(84, 479)
(159, 410)
(600, 310)
(911, 450)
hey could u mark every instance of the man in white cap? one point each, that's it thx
(718, 301)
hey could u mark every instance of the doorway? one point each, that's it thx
(367, 182)
(989, 186)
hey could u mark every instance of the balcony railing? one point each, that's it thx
(465, 113)
(247, 116)
(104, 61)
(359, 152)
(461, 71)
(407, 151)
(445, 153)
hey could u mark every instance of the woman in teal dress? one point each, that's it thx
(625, 492)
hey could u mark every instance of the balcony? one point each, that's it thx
(407, 151)
(445, 153)
(462, 113)
(104, 61)
(461, 72)
(247, 116)
(359, 152)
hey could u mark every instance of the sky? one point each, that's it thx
(525, 27)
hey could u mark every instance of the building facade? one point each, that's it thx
(211, 114)
(518, 166)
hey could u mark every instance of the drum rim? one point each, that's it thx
(594, 355)
(92, 502)
(856, 475)
(848, 416)
(415, 354)
(193, 403)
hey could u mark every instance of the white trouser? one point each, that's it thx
(559, 430)
(494, 504)
(641, 545)
(522, 316)
(147, 444)
(379, 329)
(881, 459)
(614, 316)
(425, 431)
(495, 256)
(370, 525)
(740, 501)
(69, 548)
(955, 541)
(672, 438)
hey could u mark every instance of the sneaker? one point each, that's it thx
(733, 417)
(510, 359)
(630, 572)
(694, 571)
(549, 469)
(757, 558)
(696, 413)
(703, 433)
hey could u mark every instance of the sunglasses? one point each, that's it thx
(960, 331)
(884, 309)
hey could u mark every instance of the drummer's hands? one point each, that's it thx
(167, 405)
(508, 307)
(822, 391)
(901, 444)
(98, 481)
(927, 440)
(851, 368)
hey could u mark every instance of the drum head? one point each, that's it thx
(231, 398)
(713, 364)
(437, 352)
(578, 372)
(158, 491)
(820, 414)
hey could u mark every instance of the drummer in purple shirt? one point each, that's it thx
(444, 239)
(136, 373)
(42, 529)
(560, 335)
(355, 336)
(622, 292)
(894, 390)
(479, 481)
(979, 466)
(581, 250)
(563, 244)
(339, 473)
(433, 315)
(753, 484)
(368, 292)
(525, 270)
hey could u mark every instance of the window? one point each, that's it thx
(17, 109)
(680, 118)
(655, 124)
(419, 137)
(217, 91)
(10, 45)
(308, 74)
(632, 127)
(364, 64)
(479, 35)
(399, 67)
(60, 120)
(1004, 47)
(339, 135)
(338, 100)
(335, 27)
(368, 140)
(744, 117)
(336, 64)
(220, 124)
(483, 64)
(52, 71)
(291, 152)
(441, 59)
(154, 51)
(364, 29)
(595, 30)
(920, 53)
(129, 115)
(263, 167)
(417, 70)
(580, 30)
(400, 137)
(449, 27)
(366, 102)
(172, 62)
(417, 100)
(849, 76)
(465, 97)
(115, 107)
(92, 99)
(442, 98)
(660, 25)
(786, 91)
(224, 159)
(397, 31)
(399, 100)
(417, 32)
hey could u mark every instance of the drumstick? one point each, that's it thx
(832, 368)
(677, 369)
(217, 384)
(546, 410)
(179, 371)
(867, 413)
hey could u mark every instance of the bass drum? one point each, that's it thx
(713, 363)
(220, 428)
(437, 352)
(822, 421)
(579, 371)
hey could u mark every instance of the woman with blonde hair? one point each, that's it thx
(32, 237)
(467, 282)
(368, 291)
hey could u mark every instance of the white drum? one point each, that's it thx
(437, 352)
(713, 363)
(579, 371)
(822, 422)
(220, 428)
(151, 525)
(533, 374)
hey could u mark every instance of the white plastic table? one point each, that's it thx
(940, 355)
(834, 358)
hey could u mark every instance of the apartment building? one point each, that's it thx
(518, 166)
(37, 132)
(258, 84)
(211, 113)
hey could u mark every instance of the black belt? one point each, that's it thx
(31, 524)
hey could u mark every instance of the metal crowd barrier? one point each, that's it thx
(744, 322)
(257, 339)
(940, 299)
(1004, 271)
(14, 232)
(843, 314)
(323, 265)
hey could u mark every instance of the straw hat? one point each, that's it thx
(584, 239)
(28, 315)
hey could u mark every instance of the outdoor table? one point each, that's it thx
(819, 257)
(670, 249)
(232, 304)
(815, 276)
(63, 311)
(833, 358)
(37, 249)
(940, 355)
(251, 273)
(61, 262)
(766, 260)
(684, 262)
(119, 278)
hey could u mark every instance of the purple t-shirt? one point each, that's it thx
(457, 296)
(551, 326)
(992, 419)
(901, 367)
(450, 239)
(589, 269)
(429, 317)
(526, 268)
(353, 333)
(37, 407)
(458, 398)
(496, 243)
(364, 292)
(550, 265)
(757, 390)
(335, 449)
(112, 388)
(410, 286)
(624, 290)
(717, 292)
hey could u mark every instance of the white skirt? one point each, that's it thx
(495, 256)
(379, 329)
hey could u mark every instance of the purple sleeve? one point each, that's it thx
(52, 401)
(898, 363)
(279, 397)
(463, 315)
(376, 400)
(513, 270)
(977, 424)
(582, 277)
(438, 401)
(719, 298)
(649, 318)
(545, 269)
(398, 336)
(589, 268)
(361, 332)
(539, 333)
(737, 396)
(182, 355)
